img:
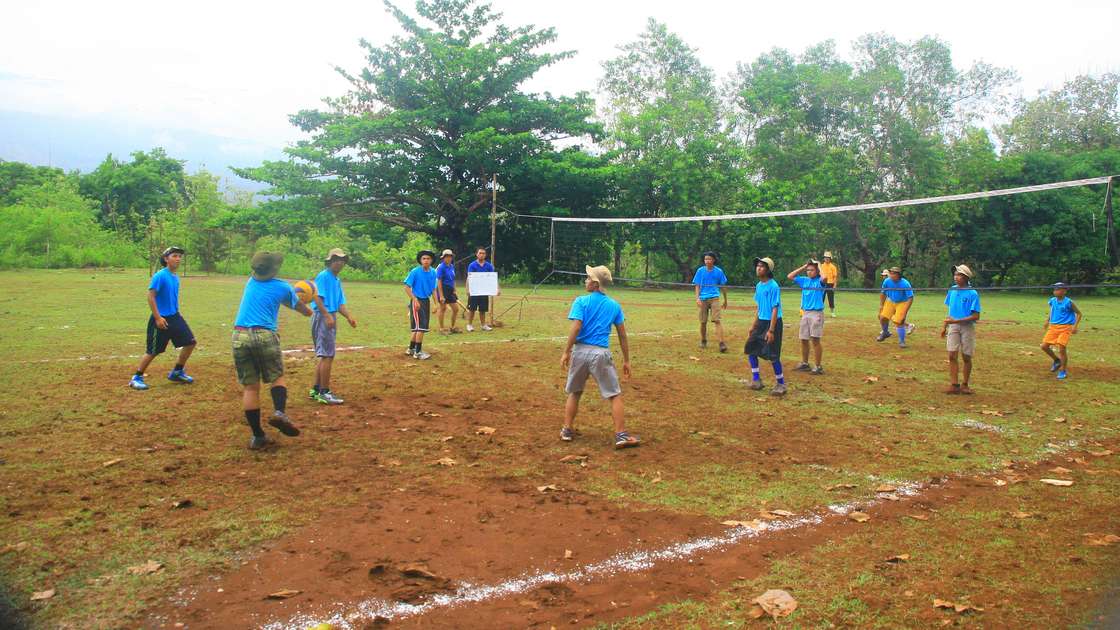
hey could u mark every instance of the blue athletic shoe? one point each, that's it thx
(1062, 374)
(1055, 366)
(137, 382)
(179, 376)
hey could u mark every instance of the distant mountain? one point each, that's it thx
(73, 143)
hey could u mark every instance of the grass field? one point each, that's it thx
(364, 479)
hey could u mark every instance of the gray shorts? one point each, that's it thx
(812, 325)
(321, 336)
(961, 337)
(596, 362)
(256, 355)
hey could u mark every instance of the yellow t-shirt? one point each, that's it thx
(830, 272)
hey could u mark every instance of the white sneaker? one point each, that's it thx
(332, 399)
(470, 328)
(834, 314)
(410, 352)
(485, 327)
(909, 328)
(422, 355)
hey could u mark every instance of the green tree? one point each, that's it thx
(14, 175)
(672, 153)
(427, 123)
(1082, 116)
(130, 194)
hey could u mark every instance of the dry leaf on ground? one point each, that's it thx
(850, 401)
(567, 554)
(656, 479)
(1057, 482)
(1101, 453)
(179, 505)
(885, 488)
(872, 379)
(447, 438)
(859, 517)
(839, 485)
(694, 358)
(446, 461)
(1021, 515)
(776, 603)
(1103, 541)
(917, 517)
(899, 558)
(573, 458)
(1060, 471)
(484, 430)
(547, 488)
(284, 593)
(112, 462)
(41, 595)
(755, 525)
(150, 566)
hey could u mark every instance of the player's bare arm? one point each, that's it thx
(724, 292)
(303, 309)
(161, 323)
(698, 302)
(346, 313)
(327, 317)
(1073, 330)
(624, 343)
(573, 334)
(411, 296)
(773, 322)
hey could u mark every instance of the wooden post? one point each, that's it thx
(493, 234)
(1111, 224)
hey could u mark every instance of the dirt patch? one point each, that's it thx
(504, 554)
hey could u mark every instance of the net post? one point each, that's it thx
(1111, 224)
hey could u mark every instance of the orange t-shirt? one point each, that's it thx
(830, 272)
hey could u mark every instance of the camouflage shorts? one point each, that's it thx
(256, 355)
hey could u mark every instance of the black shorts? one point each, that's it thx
(419, 319)
(756, 342)
(480, 303)
(177, 332)
(449, 295)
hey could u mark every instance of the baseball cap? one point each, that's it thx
(167, 252)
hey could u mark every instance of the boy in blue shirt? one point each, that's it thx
(959, 329)
(328, 304)
(166, 323)
(812, 314)
(765, 340)
(445, 273)
(894, 301)
(1063, 321)
(480, 303)
(256, 345)
(588, 352)
(709, 281)
(419, 285)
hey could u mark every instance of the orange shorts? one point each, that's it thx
(1058, 333)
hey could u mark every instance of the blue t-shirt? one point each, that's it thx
(260, 304)
(330, 289)
(900, 295)
(166, 285)
(446, 274)
(768, 295)
(1060, 312)
(422, 283)
(474, 266)
(810, 300)
(703, 276)
(962, 303)
(598, 313)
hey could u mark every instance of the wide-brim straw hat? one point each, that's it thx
(828, 255)
(767, 261)
(337, 253)
(266, 264)
(897, 270)
(600, 274)
(963, 269)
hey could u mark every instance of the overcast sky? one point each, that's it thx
(239, 68)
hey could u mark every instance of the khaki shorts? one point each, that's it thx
(711, 304)
(256, 355)
(812, 324)
(596, 362)
(895, 311)
(961, 337)
(1058, 333)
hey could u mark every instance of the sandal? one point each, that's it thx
(625, 440)
(444, 331)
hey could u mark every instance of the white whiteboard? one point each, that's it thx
(482, 283)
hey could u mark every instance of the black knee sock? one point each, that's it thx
(254, 418)
(140, 374)
(178, 366)
(412, 345)
(418, 344)
(279, 397)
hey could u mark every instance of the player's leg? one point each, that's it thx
(966, 370)
(454, 313)
(1064, 357)
(954, 368)
(323, 373)
(145, 361)
(442, 310)
(471, 308)
(818, 351)
(571, 408)
(805, 352)
(1045, 347)
(703, 333)
(617, 414)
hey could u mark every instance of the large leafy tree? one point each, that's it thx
(428, 122)
(667, 135)
(130, 194)
(1082, 116)
(873, 129)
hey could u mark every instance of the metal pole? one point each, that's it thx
(493, 235)
(1111, 224)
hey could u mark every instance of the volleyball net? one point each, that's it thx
(1024, 237)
